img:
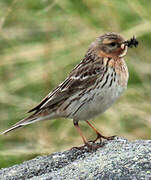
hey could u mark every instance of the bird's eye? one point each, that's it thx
(113, 44)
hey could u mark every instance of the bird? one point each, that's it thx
(91, 87)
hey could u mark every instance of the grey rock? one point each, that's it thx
(118, 159)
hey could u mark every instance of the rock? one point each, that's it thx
(118, 159)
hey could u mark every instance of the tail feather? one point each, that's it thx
(29, 120)
(20, 124)
(11, 129)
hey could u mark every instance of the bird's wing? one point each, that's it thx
(82, 77)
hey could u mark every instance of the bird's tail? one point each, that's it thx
(20, 124)
(29, 120)
(11, 129)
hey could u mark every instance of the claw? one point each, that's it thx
(99, 136)
(110, 137)
(93, 146)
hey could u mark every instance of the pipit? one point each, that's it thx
(91, 87)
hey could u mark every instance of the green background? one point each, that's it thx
(40, 42)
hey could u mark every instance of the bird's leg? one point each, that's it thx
(99, 135)
(76, 125)
(91, 146)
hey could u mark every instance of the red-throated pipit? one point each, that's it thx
(91, 87)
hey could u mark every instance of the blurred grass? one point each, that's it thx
(40, 42)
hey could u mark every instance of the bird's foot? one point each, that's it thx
(93, 146)
(89, 146)
(109, 137)
(100, 137)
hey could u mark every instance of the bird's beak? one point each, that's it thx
(124, 50)
(123, 45)
(128, 44)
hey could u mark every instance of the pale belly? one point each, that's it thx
(98, 99)
(97, 103)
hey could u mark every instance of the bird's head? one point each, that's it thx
(113, 45)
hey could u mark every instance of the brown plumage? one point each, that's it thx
(91, 87)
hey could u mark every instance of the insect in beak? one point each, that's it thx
(130, 43)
